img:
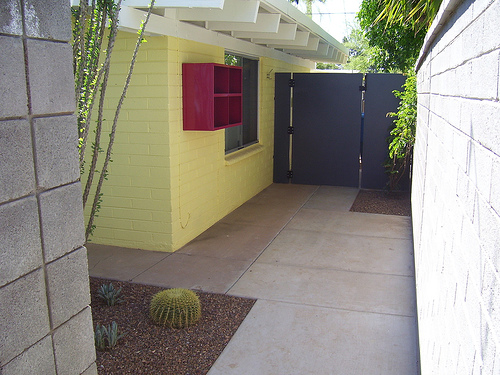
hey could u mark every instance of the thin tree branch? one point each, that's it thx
(104, 171)
(104, 85)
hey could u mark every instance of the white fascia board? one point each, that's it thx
(286, 31)
(288, 9)
(333, 53)
(337, 55)
(330, 55)
(321, 50)
(333, 56)
(312, 44)
(267, 23)
(219, 4)
(168, 3)
(234, 11)
(131, 21)
(301, 39)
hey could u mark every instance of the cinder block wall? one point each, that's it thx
(45, 319)
(456, 191)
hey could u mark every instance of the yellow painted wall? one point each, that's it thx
(166, 185)
(136, 208)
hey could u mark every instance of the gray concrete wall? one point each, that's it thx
(456, 191)
(45, 319)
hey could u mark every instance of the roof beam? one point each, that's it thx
(312, 44)
(286, 31)
(321, 50)
(233, 11)
(132, 19)
(267, 23)
(301, 39)
(176, 3)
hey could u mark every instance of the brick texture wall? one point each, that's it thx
(167, 185)
(45, 319)
(136, 205)
(456, 191)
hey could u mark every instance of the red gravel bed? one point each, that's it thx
(382, 202)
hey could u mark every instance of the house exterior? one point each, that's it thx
(167, 185)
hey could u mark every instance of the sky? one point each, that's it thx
(334, 16)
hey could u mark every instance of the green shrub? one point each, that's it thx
(109, 294)
(402, 136)
(176, 308)
(100, 334)
(106, 337)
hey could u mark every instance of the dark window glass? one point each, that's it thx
(244, 135)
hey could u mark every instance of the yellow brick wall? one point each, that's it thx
(136, 206)
(207, 184)
(166, 185)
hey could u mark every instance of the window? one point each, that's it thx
(245, 135)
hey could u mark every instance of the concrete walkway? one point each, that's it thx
(335, 289)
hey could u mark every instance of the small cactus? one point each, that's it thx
(176, 308)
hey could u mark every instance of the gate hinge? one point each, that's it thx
(290, 130)
(289, 174)
(291, 83)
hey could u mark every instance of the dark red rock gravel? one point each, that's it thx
(148, 348)
(382, 202)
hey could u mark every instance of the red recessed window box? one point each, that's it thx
(211, 96)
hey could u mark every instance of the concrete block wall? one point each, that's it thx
(45, 319)
(455, 192)
(166, 185)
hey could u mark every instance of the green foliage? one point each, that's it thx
(398, 44)
(362, 56)
(419, 14)
(176, 308)
(327, 66)
(110, 295)
(402, 136)
(106, 337)
(232, 60)
(90, 24)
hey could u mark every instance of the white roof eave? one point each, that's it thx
(261, 22)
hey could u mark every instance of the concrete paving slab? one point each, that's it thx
(368, 292)
(274, 216)
(354, 223)
(336, 198)
(119, 263)
(335, 289)
(231, 241)
(95, 255)
(194, 272)
(283, 338)
(341, 251)
(289, 195)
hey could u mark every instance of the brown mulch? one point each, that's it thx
(383, 202)
(148, 348)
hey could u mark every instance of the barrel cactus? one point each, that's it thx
(177, 308)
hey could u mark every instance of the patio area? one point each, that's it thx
(335, 289)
